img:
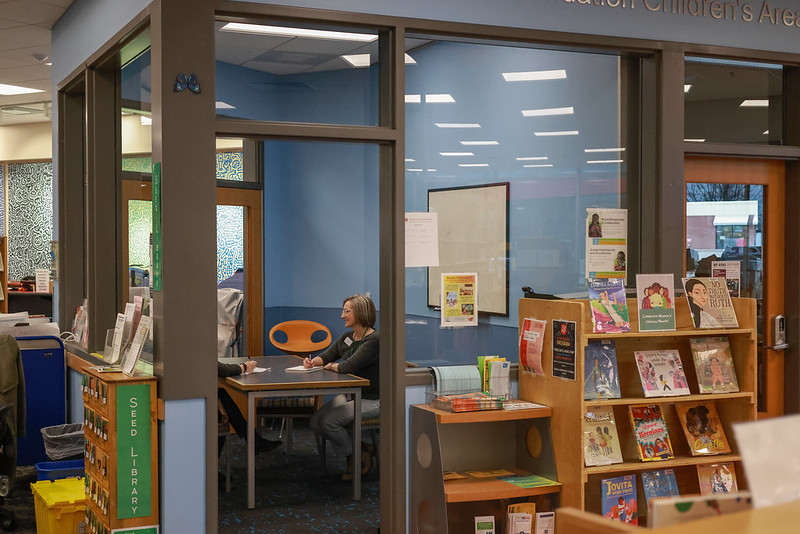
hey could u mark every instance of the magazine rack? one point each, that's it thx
(581, 484)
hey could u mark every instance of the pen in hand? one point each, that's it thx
(307, 363)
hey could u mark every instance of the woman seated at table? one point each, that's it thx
(355, 352)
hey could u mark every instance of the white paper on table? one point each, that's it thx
(257, 370)
(422, 239)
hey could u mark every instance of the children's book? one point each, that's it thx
(608, 304)
(674, 510)
(660, 483)
(731, 272)
(703, 429)
(661, 373)
(710, 303)
(619, 499)
(713, 362)
(600, 439)
(654, 301)
(717, 478)
(601, 378)
(650, 431)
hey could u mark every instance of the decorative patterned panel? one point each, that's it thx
(30, 218)
(138, 164)
(2, 200)
(230, 240)
(140, 224)
(229, 166)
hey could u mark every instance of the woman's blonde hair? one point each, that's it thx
(363, 308)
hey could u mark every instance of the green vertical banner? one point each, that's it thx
(157, 226)
(134, 477)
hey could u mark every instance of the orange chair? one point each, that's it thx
(299, 342)
(298, 337)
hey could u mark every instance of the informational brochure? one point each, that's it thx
(564, 349)
(531, 339)
(422, 239)
(116, 344)
(731, 272)
(135, 349)
(459, 299)
(606, 243)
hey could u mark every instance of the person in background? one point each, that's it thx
(355, 352)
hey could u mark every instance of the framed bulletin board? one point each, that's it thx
(473, 237)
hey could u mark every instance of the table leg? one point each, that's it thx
(251, 449)
(357, 446)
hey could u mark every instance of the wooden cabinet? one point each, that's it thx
(121, 452)
(581, 484)
(514, 440)
(3, 274)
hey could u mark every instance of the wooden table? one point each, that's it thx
(278, 383)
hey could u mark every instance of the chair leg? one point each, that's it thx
(321, 449)
(289, 433)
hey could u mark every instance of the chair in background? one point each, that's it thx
(301, 338)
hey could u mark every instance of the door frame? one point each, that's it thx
(770, 173)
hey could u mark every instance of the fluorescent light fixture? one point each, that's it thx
(456, 154)
(532, 158)
(615, 149)
(410, 60)
(439, 98)
(604, 161)
(563, 132)
(357, 60)
(479, 143)
(413, 99)
(8, 90)
(538, 165)
(754, 103)
(146, 121)
(49, 63)
(536, 75)
(410, 160)
(547, 111)
(413, 170)
(694, 140)
(457, 125)
(473, 164)
(224, 105)
(432, 170)
(687, 87)
(284, 31)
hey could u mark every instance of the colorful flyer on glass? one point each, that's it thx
(564, 349)
(531, 339)
(606, 243)
(709, 303)
(459, 299)
(730, 271)
(654, 294)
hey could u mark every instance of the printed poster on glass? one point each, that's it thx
(459, 299)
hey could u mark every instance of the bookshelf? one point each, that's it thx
(517, 441)
(581, 484)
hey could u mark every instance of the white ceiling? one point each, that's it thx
(25, 36)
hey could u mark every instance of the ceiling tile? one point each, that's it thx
(32, 12)
(27, 36)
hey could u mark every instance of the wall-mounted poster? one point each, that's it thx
(473, 237)
(606, 243)
(459, 299)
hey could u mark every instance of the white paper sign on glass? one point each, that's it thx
(422, 239)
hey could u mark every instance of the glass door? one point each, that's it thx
(735, 211)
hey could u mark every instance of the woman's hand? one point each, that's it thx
(332, 367)
(308, 363)
(249, 365)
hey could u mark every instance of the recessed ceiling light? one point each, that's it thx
(604, 161)
(564, 132)
(754, 103)
(535, 75)
(224, 105)
(457, 125)
(410, 60)
(456, 154)
(479, 143)
(694, 140)
(532, 158)
(8, 90)
(686, 87)
(239, 27)
(357, 60)
(547, 111)
(766, 132)
(615, 149)
(413, 99)
(538, 165)
(473, 164)
(439, 98)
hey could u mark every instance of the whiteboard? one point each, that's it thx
(473, 237)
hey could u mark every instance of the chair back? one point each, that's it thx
(298, 337)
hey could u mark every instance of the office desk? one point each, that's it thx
(278, 383)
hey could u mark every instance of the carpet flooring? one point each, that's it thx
(294, 494)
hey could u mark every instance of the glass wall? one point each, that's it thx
(550, 124)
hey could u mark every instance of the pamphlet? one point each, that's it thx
(135, 350)
(301, 369)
